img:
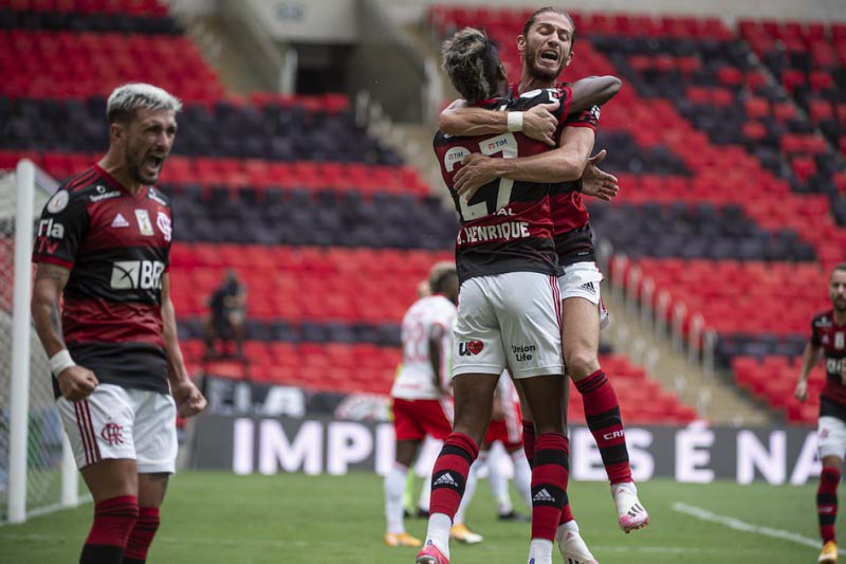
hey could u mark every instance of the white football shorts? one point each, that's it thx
(831, 437)
(509, 320)
(115, 422)
(583, 280)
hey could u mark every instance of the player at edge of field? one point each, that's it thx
(508, 303)
(828, 339)
(103, 245)
(546, 49)
(421, 404)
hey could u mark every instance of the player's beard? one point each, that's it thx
(840, 305)
(137, 168)
(530, 58)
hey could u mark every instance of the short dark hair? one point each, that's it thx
(841, 266)
(470, 60)
(439, 274)
(533, 18)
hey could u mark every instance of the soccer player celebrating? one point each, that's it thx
(421, 394)
(828, 338)
(103, 245)
(546, 48)
(508, 301)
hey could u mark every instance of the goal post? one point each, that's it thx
(38, 475)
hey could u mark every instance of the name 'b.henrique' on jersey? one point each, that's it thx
(506, 225)
(826, 333)
(117, 247)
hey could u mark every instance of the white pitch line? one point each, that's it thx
(743, 526)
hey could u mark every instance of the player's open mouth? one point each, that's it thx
(549, 55)
(153, 164)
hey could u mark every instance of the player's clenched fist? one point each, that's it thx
(189, 400)
(77, 383)
(540, 124)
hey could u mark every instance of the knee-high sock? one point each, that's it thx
(522, 476)
(499, 482)
(449, 479)
(113, 522)
(550, 476)
(602, 411)
(827, 502)
(394, 489)
(142, 536)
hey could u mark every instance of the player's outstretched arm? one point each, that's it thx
(593, 91)
(563, 164)
(75, 382)
(537, 123)
(189, 400)
(809, 359)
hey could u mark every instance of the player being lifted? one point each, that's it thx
(508, 304)
(546, 48)
(421, 392)
(828, 338)
(103, 245)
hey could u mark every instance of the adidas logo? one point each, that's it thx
(446, 480)
(543, 496)
(119, 221)
(589, 287)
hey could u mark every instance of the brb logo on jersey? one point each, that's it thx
(137, 275)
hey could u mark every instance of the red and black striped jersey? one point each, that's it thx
(826, 333)
(506, 226)
(116, 245)
(571, 230)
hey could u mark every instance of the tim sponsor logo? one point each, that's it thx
(137, 275)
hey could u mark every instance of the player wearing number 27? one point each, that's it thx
(828, 338)
(509, 305)
(103, 245)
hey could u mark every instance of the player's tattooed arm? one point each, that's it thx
(189, 400)
(809, 360)
(50, 281)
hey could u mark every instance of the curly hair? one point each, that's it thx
(470, 60)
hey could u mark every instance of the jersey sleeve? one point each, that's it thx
(62, 229)
(588, 118)
(565, 95)
(815, 336)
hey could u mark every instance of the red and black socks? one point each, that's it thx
(449, 477)
(142, 536)
(602, 411)
(827, 502)
(114, 520)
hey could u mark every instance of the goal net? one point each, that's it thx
(32, 443)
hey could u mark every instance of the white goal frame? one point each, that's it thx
(27, 178)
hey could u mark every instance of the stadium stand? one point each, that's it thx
(699, 138)
(330, 231)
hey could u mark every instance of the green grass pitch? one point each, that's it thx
(222, 518)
